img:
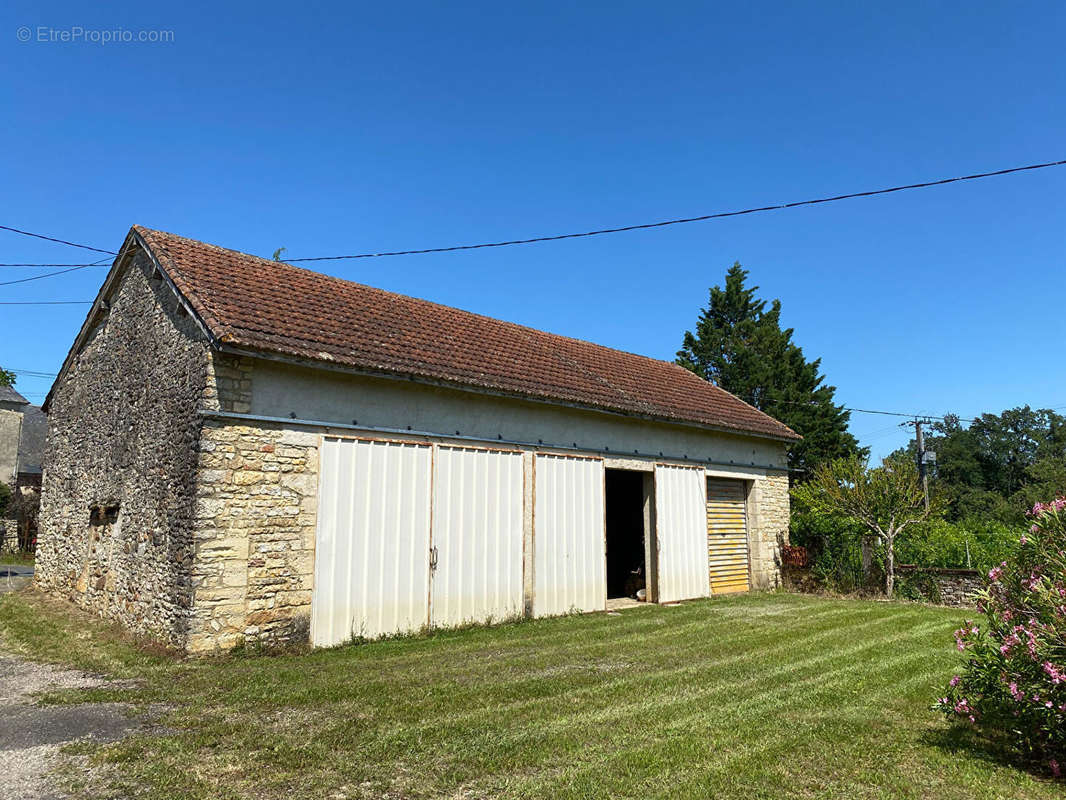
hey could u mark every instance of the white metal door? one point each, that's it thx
(681, 532)
(477, 536)
(569, 557)
(372, 542)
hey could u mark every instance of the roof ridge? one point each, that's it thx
(391, 293)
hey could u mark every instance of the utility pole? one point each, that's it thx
(921, 460)
(923, 457)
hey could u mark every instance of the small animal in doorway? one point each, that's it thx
(635, 582)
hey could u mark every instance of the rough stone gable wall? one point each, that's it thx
(123, 436)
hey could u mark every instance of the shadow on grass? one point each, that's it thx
(980, 745)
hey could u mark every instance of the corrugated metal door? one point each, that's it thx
(569, 555)
(681, 532)
(477, 536)
(727, 535)
(372, 542)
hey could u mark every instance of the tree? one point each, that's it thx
(1000, 464)
(739, 345)
(7, 377)
(885, 499)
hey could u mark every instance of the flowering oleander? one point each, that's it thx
(1014, 677)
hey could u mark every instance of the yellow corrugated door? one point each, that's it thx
(727, 535)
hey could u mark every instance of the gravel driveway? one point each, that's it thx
(31, 735)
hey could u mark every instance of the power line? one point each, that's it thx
(702, 218)
(32, 373)
(92, 264)
(624, 228)
(99, 263)
(46, 302)
(48, 274)
(901, 414)
(871, 411)
(57, 241)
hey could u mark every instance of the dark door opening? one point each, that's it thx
(626, 570)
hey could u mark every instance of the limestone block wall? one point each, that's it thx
(229, 384)
(768, 513)
(256, 506)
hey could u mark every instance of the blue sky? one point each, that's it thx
(339, 128)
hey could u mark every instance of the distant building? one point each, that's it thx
(12, 409)
(31, 445)
(23, 428)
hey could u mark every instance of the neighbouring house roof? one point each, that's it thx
(251, 303)
(31, 442)
(9, 395)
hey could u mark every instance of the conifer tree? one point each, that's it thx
(739, 345)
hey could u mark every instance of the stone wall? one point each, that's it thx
(9, 534)
(120, 462)
(229, 384)
(768, 514)
(948, 587)
(255, 535)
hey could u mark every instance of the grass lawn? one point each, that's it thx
(758, 696)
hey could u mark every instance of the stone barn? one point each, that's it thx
(240, 449)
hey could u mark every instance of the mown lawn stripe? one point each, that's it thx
(754, 696)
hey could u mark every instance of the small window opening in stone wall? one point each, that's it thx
(103, 515)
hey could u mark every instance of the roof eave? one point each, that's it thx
(275, 355)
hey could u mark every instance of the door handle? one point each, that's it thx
(433, 558)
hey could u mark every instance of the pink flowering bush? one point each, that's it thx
(1013, 681)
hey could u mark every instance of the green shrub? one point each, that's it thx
(834, 546)
(834, 549)
(1014, 679)
(939, 543)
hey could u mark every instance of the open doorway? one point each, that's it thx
(626, 568)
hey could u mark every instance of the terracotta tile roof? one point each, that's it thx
(263, 305)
